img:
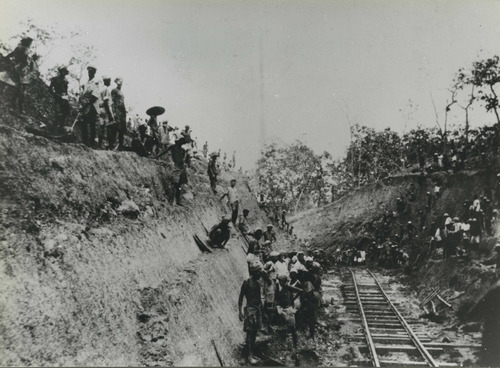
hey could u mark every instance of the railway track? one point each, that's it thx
(391, 339)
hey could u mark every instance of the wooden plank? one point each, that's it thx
(201, 244)
(403, 348)
(443, 301)
(452, 345)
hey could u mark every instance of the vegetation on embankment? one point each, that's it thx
(354, 220)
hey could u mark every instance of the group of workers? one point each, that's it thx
(282, 292)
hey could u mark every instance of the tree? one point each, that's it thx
(460, 82)
(376, 154)
(83, 56)
(289, 174)
(485, 74)
(47, 38)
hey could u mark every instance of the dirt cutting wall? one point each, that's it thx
(347, 220)
(97, 267)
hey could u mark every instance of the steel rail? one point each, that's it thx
(368, 335)
(421, 348)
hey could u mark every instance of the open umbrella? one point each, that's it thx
(155, 111)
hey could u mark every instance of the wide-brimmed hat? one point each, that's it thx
(63, 70)
(284, 277)
(26, 41)
(256, 266)
(181, 141)
(155, 111)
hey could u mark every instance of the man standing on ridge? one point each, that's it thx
(213, 171)
(164, 131)
(178, 156)
(59, 88)
(119, 110)
(232, 196)
(89, 102)
(108, 123)
(22, 67)
(205, 149)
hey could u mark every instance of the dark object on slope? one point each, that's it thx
(487, 308)
(54, 138)
(201, 244)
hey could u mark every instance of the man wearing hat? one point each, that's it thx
(179, 157)
(219, 234)
(119, 111)
(59, 88)
(252, 315)
(164, 132)
(270, 234)
(107, 118)
(153, 140)
(257, 236)
(283, 221)
(89, 102)
(266, 250)
(285, 300)
(213, 171)
(243, 222)
(301, 261)
(280, 265)
(232, 196)
(22, 68)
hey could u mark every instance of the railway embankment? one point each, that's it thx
(98, 267)
(354, 221)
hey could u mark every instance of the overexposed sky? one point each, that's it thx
(242, 72)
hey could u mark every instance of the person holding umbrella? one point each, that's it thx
(154, 112)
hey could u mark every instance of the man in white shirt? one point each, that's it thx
(107, 121)
(232, 196)
(89, 102)
(280, 265)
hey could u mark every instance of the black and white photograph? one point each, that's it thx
(222, 183)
